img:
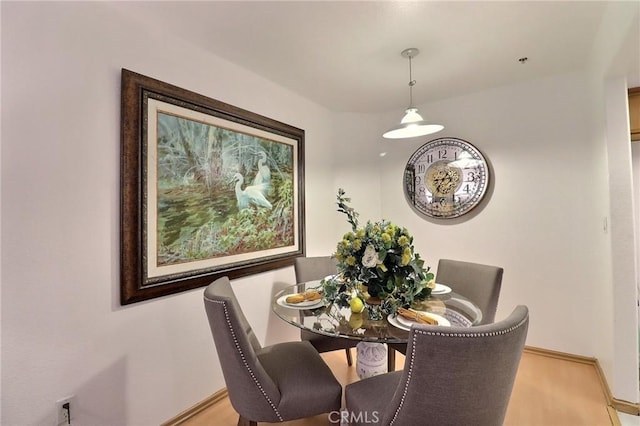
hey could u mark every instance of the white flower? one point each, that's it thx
(370, 257)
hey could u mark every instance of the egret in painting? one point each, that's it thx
(253, 194)
(263, 176)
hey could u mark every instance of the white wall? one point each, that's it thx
(542, 219)
(0, 223)
(623, 239)
(64, 332)
(635, 155)
(63, 329)
(614, 67)
(546, 215)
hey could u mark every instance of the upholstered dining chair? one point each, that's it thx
(277, 383)
(478, 283)
(452, 376)
(316, 268)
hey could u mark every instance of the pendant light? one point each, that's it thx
(412, 124)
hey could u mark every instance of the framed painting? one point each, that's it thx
(207, 190)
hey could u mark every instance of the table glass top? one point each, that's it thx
(449, 308)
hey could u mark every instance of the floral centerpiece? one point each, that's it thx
(378, 264)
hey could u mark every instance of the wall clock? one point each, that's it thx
(446, 178)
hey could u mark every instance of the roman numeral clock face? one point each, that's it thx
(445, 178)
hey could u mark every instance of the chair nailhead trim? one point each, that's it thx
(244, 361)
(406, 384)
(444, 334)
(472, 334)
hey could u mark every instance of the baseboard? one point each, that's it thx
(613, 416)
(626, 407)
(560, 355)
(196, 409)
(616, 404)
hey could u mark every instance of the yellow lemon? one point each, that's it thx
(356, 321)
(357, 305)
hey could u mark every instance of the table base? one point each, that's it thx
(371, 359)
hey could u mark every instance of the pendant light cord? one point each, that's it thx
(412, 83)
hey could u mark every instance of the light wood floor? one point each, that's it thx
(548, 391)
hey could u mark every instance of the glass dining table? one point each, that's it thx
(317, 316)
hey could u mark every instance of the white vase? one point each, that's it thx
(371, 359)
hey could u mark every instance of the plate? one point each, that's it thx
(467, 308)
(458, 320)
(441, 320)
(394, 322)
(307, 304)
(441, 289)
(407, 323)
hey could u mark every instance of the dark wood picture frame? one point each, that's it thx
(245, 141)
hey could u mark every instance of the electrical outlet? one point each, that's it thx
(64, 411)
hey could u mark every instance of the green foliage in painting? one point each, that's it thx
(220, 192)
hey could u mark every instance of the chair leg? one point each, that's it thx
(349, 360)
(391, 359)
(244, 422)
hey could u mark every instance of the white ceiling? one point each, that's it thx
(346, 55)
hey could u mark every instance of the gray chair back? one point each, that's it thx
(314, 268)
(457, 375)
(479, 283)
(251, 390)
